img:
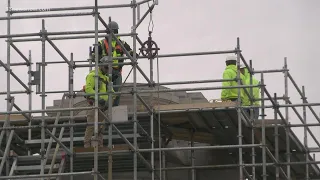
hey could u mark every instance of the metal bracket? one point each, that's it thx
(36, 77)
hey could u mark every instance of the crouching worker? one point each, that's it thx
(89, 88)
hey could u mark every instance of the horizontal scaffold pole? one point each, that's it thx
(201, 148)
(70, 8)
(46, 16)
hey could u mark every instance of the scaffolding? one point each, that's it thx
(156, 114)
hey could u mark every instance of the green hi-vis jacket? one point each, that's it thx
(255, 90)
(231, 73)
(103, 82)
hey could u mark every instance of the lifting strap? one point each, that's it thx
(117, 47)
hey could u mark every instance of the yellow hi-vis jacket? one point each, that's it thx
(102, 84)
(255, 90)
(231, 73)
(116, 50)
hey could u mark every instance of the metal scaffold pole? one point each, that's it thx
(135, 173)
(71, 103)
(8, 83)
(96, 111)
(239, 112)
(305, 132)
(253, 152)
(22, 134)
(276, 137)
(286, 95)
(30, 97)
(110, 103)
(43, 97)
(264, 161)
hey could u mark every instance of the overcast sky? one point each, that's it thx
(269, 30)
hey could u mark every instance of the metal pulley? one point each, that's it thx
(149, 48)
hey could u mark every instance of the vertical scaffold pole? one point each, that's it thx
(96, 110)
(71, 102)
(43, 96)
(193, 171)
(286, 95)
(30, 97)
(305, 139)
(276, 137)
(239, 111)
(151, 103)
(264, 160)
(110, 87)
(135, 175)
(253, 154)
(8, 79)
(152, 114)
(152, 142)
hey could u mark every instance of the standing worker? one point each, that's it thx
(230, 72)
(255, 92)
(117, 51)
(89, 88)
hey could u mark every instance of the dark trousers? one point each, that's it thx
(255, 110)
(256, 113)
(117, 81)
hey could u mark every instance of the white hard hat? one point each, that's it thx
(231, 58)
(242, 66)
(105, 60)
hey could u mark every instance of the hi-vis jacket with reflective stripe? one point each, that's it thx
(102, 84)
(116, 50)
(231, 73)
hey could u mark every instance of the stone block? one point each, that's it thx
(120, 113)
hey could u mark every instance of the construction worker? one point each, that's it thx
(231, 73)
(255, 92)
(89, 88)
(117, 51)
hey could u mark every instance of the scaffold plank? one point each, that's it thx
(169, 107)
(102, 149)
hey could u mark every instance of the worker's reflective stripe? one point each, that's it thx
(114, 53)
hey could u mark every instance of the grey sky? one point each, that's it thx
(269, 30)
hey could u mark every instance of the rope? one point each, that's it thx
(150, 21)
(151, 24)
(150, 31)
(159, 120)
(126, 79)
